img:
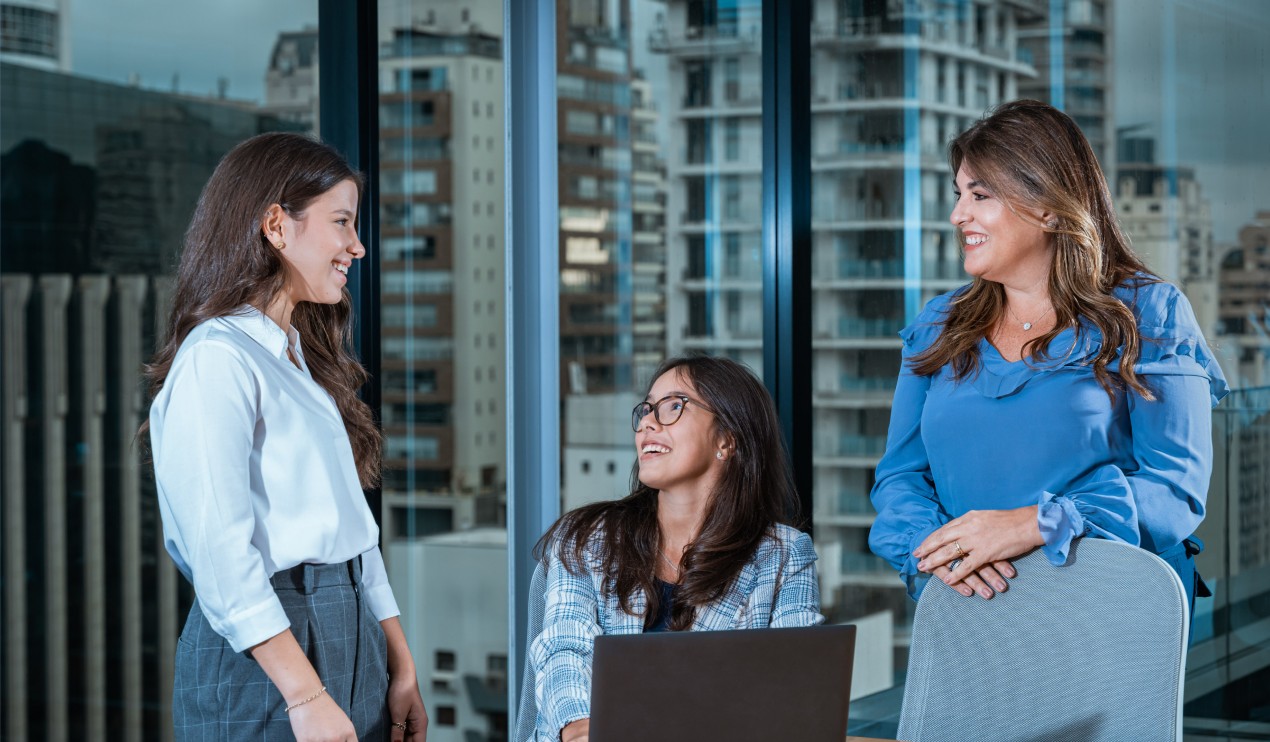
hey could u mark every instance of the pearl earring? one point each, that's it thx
(718, 455)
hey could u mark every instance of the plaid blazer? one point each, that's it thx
(777, 588)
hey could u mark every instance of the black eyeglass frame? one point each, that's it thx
(643, 409)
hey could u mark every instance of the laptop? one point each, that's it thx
(755, 684)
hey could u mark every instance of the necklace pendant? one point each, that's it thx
(1027, 325)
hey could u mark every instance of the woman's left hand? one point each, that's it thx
(405, 704)
(980, 539)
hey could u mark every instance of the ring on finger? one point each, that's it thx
(961, 553)
(400, 725)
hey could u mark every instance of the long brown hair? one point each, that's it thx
(1035, 158)
(754, 492)
(227, 262)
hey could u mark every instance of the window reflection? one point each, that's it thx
(102, 166)
(444, 491)
(891, 84)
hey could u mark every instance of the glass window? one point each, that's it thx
(646, 217)
(444, 494)
(114, 116)
(1171, 99)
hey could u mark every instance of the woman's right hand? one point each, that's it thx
(321, 720)
(986, 582)
(576, 731)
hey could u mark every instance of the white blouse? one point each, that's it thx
(255, 475)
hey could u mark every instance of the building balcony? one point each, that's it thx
(850, 445)
(706, 41)
(866, 269)
(852, 384)
(847, 29)
(851, 327)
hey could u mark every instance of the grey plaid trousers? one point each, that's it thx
(223, 696)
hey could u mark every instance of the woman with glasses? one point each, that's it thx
(701, 543)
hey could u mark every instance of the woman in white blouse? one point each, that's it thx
(261, 452)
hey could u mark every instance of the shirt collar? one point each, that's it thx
(265, 331)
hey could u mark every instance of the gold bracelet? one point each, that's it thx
(310, 698)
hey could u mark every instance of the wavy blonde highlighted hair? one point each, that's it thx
(1035, 159)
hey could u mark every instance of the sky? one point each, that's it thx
(1204, 85)
(197, 42)
(1201, 83)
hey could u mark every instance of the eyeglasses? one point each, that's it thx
(666, 411)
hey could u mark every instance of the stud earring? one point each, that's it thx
(281, 245)
(718, 455)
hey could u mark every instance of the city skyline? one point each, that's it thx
(1207, 45)
(659, 247)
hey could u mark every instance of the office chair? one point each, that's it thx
(1093, 650)
(527, 708)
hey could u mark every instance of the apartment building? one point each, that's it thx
(891, 84)
(441, 194)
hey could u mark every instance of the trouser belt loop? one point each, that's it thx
(310, 579)
(355, 569)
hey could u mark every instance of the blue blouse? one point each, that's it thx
(1044, 432)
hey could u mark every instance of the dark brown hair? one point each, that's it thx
(755, 492)
(1035, 158)
(227, 262)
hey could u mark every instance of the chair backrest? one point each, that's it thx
(527, 707)
(1092, 650)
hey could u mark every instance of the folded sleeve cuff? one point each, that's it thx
(382, 603)
(247, 628)
(914, 579)
(375, 588)
(1060, 522)
(569, 711)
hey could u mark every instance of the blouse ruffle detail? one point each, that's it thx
(1060, 522)
(1172, 344)
(1178, 354)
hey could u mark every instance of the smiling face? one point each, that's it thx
(681, 455)
(1000, 245)
(320, 246)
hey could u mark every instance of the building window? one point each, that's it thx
(731, 79)
(28, 31)
(446, 661)
(446, 716)
(496, 664)
(697, 77)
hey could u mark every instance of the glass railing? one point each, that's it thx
(1228, 663)
(848, 384)
(859, 327)
(1229, 660)
(851, 444)
(851, 502)
(852, 267)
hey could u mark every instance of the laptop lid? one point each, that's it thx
(755, 684)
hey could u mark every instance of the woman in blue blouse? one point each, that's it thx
(1065, 392)
(698, 545)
